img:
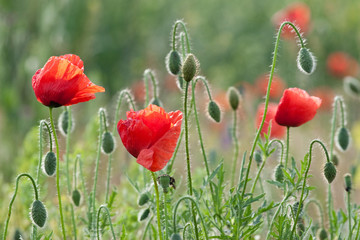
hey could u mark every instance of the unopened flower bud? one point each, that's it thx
(175, 236)
(64, 123)
(190, 67)
(164, 181)
(38, 213)
(322, 234)
(306, 61)
(214, 111)
(156, 101)
(352, 86)
(180, 82)
(49, 164)
(279, 174)
(234, 98)
(173, 62)
(17, 235)
(143, 214)
(329, 172)
(143, 199)
(343, 138)
(335, 160)
(258, 157)
(107, 143)
(348, 183)
(76, 197)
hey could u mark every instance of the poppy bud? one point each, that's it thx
(64, 123)
(17, 235)
(335, 160)
(279, 174)
(343, 138)
(180, 82)
(49, 164)
(38, 213)
(173, 62)
(107, 143)
(214, 111)
(164, 181)
(295, 208)
(234, 98)
(322, 234)
(76, 197)
(329, 172)
(190, 67)
(306, 61)
(348, 182)
(156, 101)
(352, 86)
(258, 157)
(143, 214)
(175, 236)
(143, 199)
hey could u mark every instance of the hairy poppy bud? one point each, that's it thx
(17, 235)
(214, 111)
(258, 157)
(234, 98)
(306, 61)
(190, 67)
(322, 234)
(107, 143)
(352, 86)
(38, 213)
(329, 172)
(164, 181)
(335, 160)
(143, 214)
(348, 183)
(64, 123)
(173, 62)
(76, 197)
(156, 101)
(279, 174)
(175, 236)
(343, 138)
(49, 164)
(143, 199)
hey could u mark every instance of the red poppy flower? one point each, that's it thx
(296, 107)
(276, 89)
(340, 65)
(277, 131)
(62, 82)
(151, 135)
(297, 13)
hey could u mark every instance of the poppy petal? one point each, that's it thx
(74, 59)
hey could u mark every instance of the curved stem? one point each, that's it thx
(109, 219)
(282, 148)
(157, 204)
(14, 196)
(102, 117)
(305, 178)
(58, 174)
(338, 101)
(206, 84)
(150, 73)
(179, 22)
(41, 126)
(236, 149)
(197, 208)
(185, 228)
(318, 205)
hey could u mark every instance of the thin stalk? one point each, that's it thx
(287, 146)
(318, 205)
(179, 22)
(258, 175)
(349, 214)
(157, 205)
(109, 219)
(236, 148)
(83, 180)
(147, 73)
(185, 228)
(165, 216)
(147, 227)
(57, 173)
(358, 231)
(282, 148)
(42, 123)
(329, 205)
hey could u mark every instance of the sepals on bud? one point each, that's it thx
(348, 182)
(107, 143)
(143, 214)
(143, 199)
(173, 62)
(306, 61)
(234, 98)
(279, 174)
(214, 111)
(343, 138)
(164, 181)
(49, 164)
(190, 67)
(329, 172)
(76, 197)
(38, 214)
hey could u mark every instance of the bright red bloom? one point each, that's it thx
(297, 13)
(296, 107)
(340, 65)
(62, 82)
(151, 135)
(277, 131)
(276, 89)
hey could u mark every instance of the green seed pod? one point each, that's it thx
(343, 138)
(64, 123)
(49, 164)
(156, 101)
(306, 61)
(17, 235)
(258, 157)
(335, 160)
(190, 67)
(164, 181)
(143, 199)
(38, 214)
(279, 174)
(348, 183)
(214, 111)
(322, 234)
(175, 236)
(107, 143)
(173, 62)
(76, 197)
(234, 98)
(143, 214)
(329, 172)
(352, 86)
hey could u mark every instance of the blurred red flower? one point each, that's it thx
(296, 107)
(297, 13)
(277, 131)
(62, 82)
(151, 135)
(326, 94)
(277, 86)
(340, 64)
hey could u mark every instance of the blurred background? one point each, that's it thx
(118, 40)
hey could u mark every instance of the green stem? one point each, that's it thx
(150, 73)
(282, 148)
(157, 205)
(147, 227)
(349, 213)
(329, 205)
(42, 123)
(14, 196)
(82, 180)
(179, 22)
(258, 175)
(236, 149)
(304, 182)
(287, 146)
(165, 216)
(58, 174)
(109, 219)
(267, 97)
(318, 205)
(185, 228)
(358, 231)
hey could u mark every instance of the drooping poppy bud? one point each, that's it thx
(107, 143)
(143, 199)
(234, 98)
(258, 157)
(164, 181)
(214, 111)
(335, 160)
(343, 138)
(348, 182)
(322, 234)
(76, 197)
(49, 164)
(64, 123)
(175, 236)
(190, 67)
(306, 61)
(329, 172)
(18, 235)
(38, 213)
(173, 62)
(279, 174)
(143, 214)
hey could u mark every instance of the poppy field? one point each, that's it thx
(205, 145)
